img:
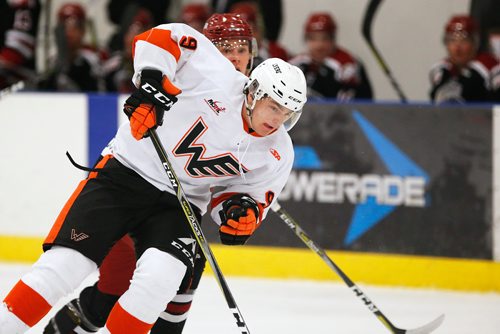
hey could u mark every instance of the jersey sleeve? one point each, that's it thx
(165, 48)
(265, 191)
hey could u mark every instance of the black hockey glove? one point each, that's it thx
(146, 106)
(240, 218)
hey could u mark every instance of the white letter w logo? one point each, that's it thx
(200, 166)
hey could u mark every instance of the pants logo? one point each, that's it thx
(78, 236)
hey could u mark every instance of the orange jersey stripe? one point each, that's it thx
(162, 39)
(64, 212)
(122, 322)
(27, 304)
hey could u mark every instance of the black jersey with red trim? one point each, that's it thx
(478, 81)
(18, 30)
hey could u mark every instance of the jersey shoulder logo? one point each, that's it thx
(188, 42)
(200, 165)
(275, 154)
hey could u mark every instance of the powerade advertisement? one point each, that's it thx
(403, 179)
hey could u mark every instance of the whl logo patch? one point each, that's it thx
(78, 236)
(213, 105)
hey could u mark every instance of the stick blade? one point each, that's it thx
(425, 329)
(366, 28)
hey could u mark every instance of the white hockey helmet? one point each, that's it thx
(281, 81)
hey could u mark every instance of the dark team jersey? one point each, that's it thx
(117, 72)
(339, 76)
(81, 74)
(478, 81)
(18, 29)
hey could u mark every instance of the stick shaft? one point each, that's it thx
(196, 228)
(367, 34)
(292, 224)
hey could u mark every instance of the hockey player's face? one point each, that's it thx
(268, 115)
(238, 53)
(74, 31)
(460, 50)
(319, 45)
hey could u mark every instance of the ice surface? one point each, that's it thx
(299, 307)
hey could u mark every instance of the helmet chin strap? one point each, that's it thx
(249, 109)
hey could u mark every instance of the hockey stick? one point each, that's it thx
(196, 227)
(367, 34)
(291, 223)
(46, 30)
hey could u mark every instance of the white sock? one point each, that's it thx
(58, 272)
(155, 282)
(9, 323)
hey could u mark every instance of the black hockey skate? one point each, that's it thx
(70, 319)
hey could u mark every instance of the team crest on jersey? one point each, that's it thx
(201, 165)
(214, 106)
(275, 154)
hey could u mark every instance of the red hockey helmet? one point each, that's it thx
(227, 26)
(230, 30)
(71, 11)
(321, 22)
(194, 12)
(143, 17)
(463, 26)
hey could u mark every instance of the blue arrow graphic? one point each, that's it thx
(368, 214)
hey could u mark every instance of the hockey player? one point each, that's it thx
(464, 75)
(222, 130)
(330, 70)
(18, 30)
(195, 15)
(249, 11)
(234, 39)
(118, 68)
(75, 66)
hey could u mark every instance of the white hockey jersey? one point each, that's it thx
(206, 138)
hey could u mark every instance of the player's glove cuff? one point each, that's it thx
(146, 106)
(158, 89)
(232, 240)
